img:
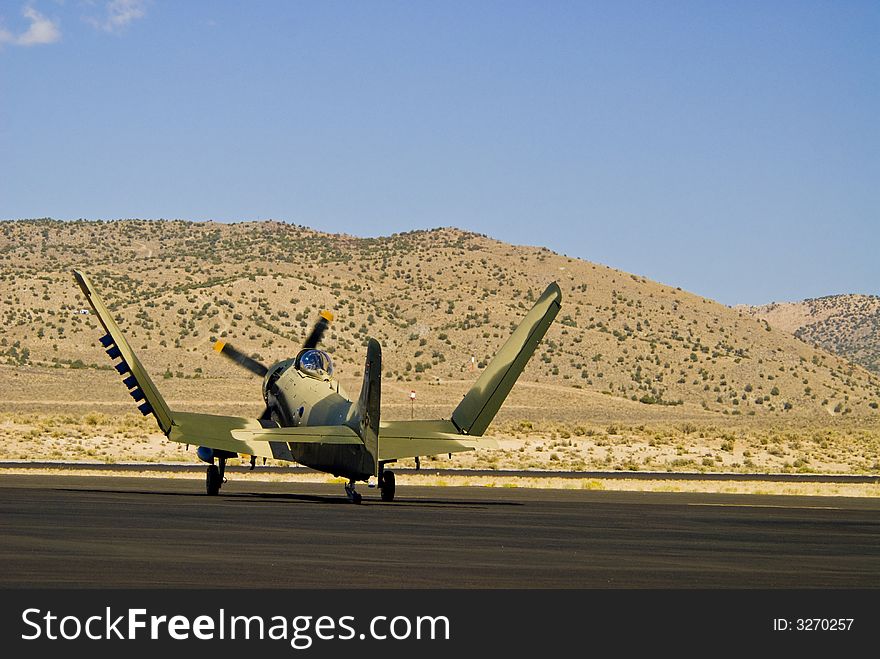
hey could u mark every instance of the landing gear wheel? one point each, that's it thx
(353, 495)
(387, 486)
(213, 481)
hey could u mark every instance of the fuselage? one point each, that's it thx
(296, 396)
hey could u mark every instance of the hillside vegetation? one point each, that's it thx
(440, 301)
(846, 325)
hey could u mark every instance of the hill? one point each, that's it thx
(846, 325)
(440, 301)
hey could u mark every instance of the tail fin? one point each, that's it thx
(480, 405)
(366, 416)
(136, 378)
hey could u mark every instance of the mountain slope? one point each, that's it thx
(440, 301)
(846, 325)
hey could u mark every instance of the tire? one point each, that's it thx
(388, 486)
(213, 481)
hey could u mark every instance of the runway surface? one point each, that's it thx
(80, 531)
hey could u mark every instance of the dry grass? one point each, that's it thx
(683, 447)
(549, 483)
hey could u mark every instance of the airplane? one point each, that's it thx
(311, 420)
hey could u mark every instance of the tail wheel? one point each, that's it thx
(388, 485)
(213, 480)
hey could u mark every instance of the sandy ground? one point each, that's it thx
(502, 481)
(523, 445)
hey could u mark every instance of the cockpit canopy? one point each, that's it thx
(315, 364)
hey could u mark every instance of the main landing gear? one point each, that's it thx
(215, 477)
(386, 487)
(386, 484)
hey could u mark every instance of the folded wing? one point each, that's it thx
(134, 375)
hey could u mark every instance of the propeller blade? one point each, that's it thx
(240, 358)
(318, 331)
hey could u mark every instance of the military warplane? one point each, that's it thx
(310, 419)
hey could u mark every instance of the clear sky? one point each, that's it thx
(730, 148)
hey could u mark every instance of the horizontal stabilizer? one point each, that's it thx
(248, 436)
(300, 435)
(409, 439)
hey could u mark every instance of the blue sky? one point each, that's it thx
(732, 149)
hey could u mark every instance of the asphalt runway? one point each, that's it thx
(75, 531)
